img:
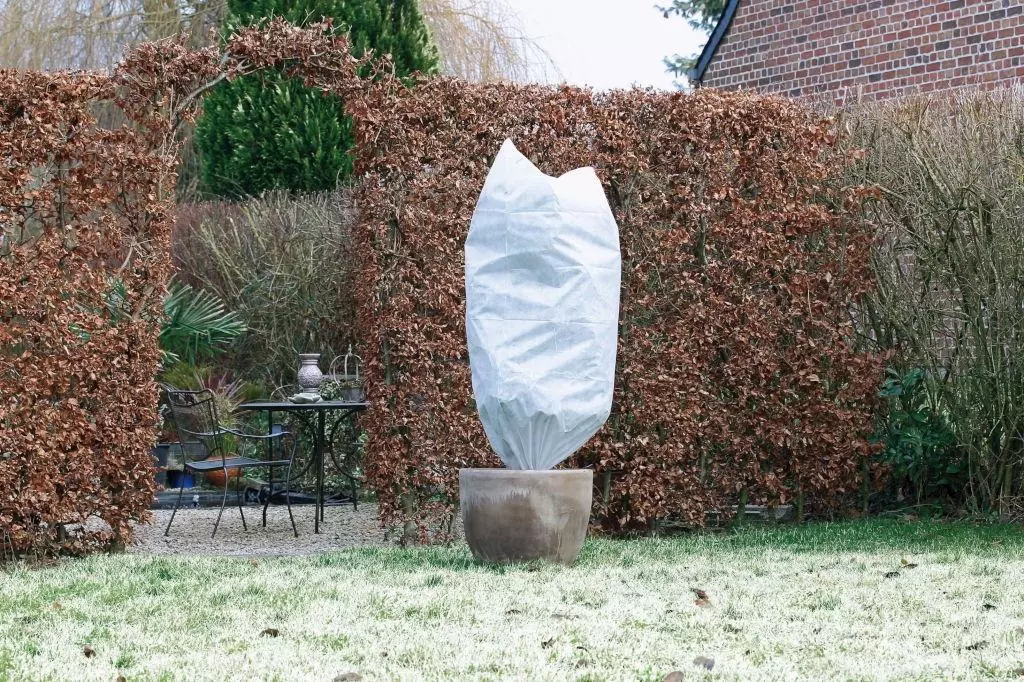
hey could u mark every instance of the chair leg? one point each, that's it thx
(223, 503)
(177, 505)
(270, 491)
(288, 495)
(266, 502)
(238, 498)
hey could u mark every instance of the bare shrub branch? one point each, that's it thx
(950, 265)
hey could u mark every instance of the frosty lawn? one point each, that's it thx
(867, 600)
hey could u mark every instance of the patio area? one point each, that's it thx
(342, 528)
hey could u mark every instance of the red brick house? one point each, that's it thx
(863, 48)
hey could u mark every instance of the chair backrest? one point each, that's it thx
(195, 418)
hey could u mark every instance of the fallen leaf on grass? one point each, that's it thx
(977, 645)
(674, 676)
(88, 651)
(704, 662)
(120, 678)
(253, 563)
(702, 597)
(987, 606)
(907, 564)
(547, 644)
(892, 574)
(270, 632)
(57, 606)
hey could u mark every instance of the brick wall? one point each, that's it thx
(869, 48)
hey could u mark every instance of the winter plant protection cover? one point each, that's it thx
(542, 304)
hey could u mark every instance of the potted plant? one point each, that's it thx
(228, 394)
(542, 297)
(167, 453)
(346, 384)
(348, 390)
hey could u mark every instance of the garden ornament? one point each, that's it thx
(309, 375)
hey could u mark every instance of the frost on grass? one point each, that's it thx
(782, 605)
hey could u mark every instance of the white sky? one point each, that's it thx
(608, 43)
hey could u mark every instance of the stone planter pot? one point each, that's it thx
(355, 394)
(512, 515)
(309, 375)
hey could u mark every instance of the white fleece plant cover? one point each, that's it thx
(542, 307)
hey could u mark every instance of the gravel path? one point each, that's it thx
(190, 535)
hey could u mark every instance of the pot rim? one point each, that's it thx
(528, 472)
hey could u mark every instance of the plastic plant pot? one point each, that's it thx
(513, 516)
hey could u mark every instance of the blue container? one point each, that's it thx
(180, 479)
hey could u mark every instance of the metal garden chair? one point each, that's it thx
(194, 414)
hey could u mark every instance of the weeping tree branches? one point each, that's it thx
(483, 41)
(480, 40)
(92, 34)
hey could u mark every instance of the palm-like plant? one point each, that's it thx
(197, 324)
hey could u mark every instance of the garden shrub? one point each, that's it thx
(196, 325)
(918, 442)
(744, 255)
(950, 272)
(82, 218)
(284, 266)
(85, 215)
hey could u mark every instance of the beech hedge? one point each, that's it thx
(744, 258)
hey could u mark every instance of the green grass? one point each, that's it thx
(827, 601)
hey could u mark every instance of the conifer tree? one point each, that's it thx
(267, 131)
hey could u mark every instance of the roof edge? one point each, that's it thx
(696, 74)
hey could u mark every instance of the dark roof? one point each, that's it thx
(696, 74)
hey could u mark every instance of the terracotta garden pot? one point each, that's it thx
(512, 515)
(216, 477)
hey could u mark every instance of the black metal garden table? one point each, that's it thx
(346, 410)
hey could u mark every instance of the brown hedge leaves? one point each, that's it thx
(85, 213)
(82, 224)
(743, 256)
